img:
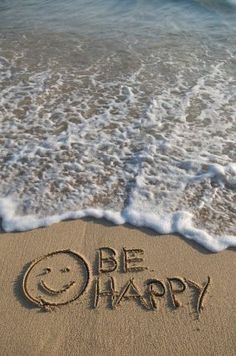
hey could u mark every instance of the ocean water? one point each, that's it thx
(120, 109)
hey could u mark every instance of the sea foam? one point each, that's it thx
(177, 223)
(131, 131)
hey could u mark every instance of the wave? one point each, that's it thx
(136, 128)
(179, 222)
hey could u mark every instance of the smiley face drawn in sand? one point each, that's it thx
(56, 279)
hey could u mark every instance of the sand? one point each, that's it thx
(169, 296)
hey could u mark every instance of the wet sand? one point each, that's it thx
(163, 295)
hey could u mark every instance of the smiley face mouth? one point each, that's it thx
(53, 291)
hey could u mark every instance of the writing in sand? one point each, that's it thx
(62, 277)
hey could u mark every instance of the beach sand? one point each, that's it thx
(194, 316)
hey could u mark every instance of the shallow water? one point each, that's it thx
(122, 109)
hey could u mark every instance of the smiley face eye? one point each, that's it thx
(66, 269)
(45, 271)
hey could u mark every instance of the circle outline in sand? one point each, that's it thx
(43, 303)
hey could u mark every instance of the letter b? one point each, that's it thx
(107, 260)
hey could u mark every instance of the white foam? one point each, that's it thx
(179, 222)
(148, 141)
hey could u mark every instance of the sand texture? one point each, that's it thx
(90, 288)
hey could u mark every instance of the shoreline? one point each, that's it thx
(179, 222)
(157, 293)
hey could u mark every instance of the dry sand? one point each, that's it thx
(196, 321)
